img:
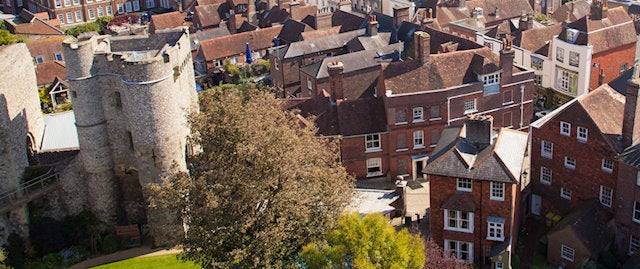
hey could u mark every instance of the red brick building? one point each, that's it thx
(573, 151)
(477, 172)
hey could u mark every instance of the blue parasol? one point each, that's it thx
(248, 54)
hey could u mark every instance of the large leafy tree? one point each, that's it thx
(365, 242)
(261, 187)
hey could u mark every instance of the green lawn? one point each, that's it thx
(166, 261)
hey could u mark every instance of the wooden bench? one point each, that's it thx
(129, 234)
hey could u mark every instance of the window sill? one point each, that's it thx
(419, 147)
(464, 190)
(470, 111)
(417, 121)
(582, 141)
(401, 123)
(570, 167)
(497, 199)
(433, 145)
(565, 134)
(402, 149)
(565, 197)
(545, 183)
(547, 156)
(458, 230)
(635, 220)
(607, 171)
(373, 150)
(435, 119)
(374, 174)
(507, 103)
(495, 239)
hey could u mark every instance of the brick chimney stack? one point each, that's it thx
(507, 54)
(372, 26)
(400, 14)
(631, 116)
(294, 10)
(231, 23)
(421, 46)
(478, 130)
(599, 9)
(336, 81)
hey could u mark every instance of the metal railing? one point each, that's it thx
(28, 190)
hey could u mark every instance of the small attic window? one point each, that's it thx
(491, 83)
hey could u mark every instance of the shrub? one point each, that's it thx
(65, 107)
(15, 250)
(83, 28)
(109, 243)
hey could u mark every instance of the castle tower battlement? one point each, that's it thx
(138, 92)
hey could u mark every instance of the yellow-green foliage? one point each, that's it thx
(164, 261)
(7, 38)
(365, 242)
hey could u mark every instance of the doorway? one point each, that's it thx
(418, 164)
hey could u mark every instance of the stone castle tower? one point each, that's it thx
(131, 96)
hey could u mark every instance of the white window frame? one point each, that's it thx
(374, 163)
(635, 215)
(418, 114)
(218, 63)
(491, 83)
(58, 56)
(497, 191)
(151, 4)
(69, 17)
(560, 54)
(309, 83)
(546, 175)
(61, 18)
(606, 196)
(460, 218)
(495, 228)
(634, 244)
(457, 250)
(78, 14)
(499, 265)
(574, 58)
(536, 63)
(92, 14)
(470, 106)
(120, 8)
(464, 184)
(67, 3)
(76, 2)
(372, 143)
(58, 3)
(569, 163)
(567, 253)
(638, 179)
(565, 193)
(136, 5)
(109, 10)
(39, 59)
(128, 7)
(567, 80)
(565, 128)
(100, 11)
(607, 165)
(546, 149)
(582, 134)
(418, 139)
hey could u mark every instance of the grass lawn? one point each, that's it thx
(165, 261)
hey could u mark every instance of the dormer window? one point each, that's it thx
(491, 83)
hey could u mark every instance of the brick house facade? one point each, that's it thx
(477, 172)
(575, 142)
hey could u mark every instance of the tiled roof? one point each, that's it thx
(226, 46)
(446, 15)
(46, 47)
(604, 105)
(537, 39)
(506, 9)
(577, 9)
(48, 71)
(614, 31)
(29, 24)
(208, 15)
(168, 20)
(210, 2)
(442, 71)
(362, 116)
(590, 222)
(311, 35)
(335, 41)
(502, 29)
(500, 161)
(304, 11)
(366, 42)
(207, 34)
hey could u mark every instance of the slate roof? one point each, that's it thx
(634, 8)
(362, 116)
(605, 107)
(206, 35)
(366, 42)
(577, 9)
(348, 21)
(500, 161)
(48, 71)
(292, 31)
(614, 31)
(590, 222)
(311, 35)
(168, 20)
(538, 39)
(208, 15)
(502, 29)
(312, 46)
(231, 45)
(356, 60)
(444, 70)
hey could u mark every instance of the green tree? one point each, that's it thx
(365, 242)
(7, 38)
(262, 186)
(83, 28)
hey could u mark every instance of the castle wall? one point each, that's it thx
(20, 121)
